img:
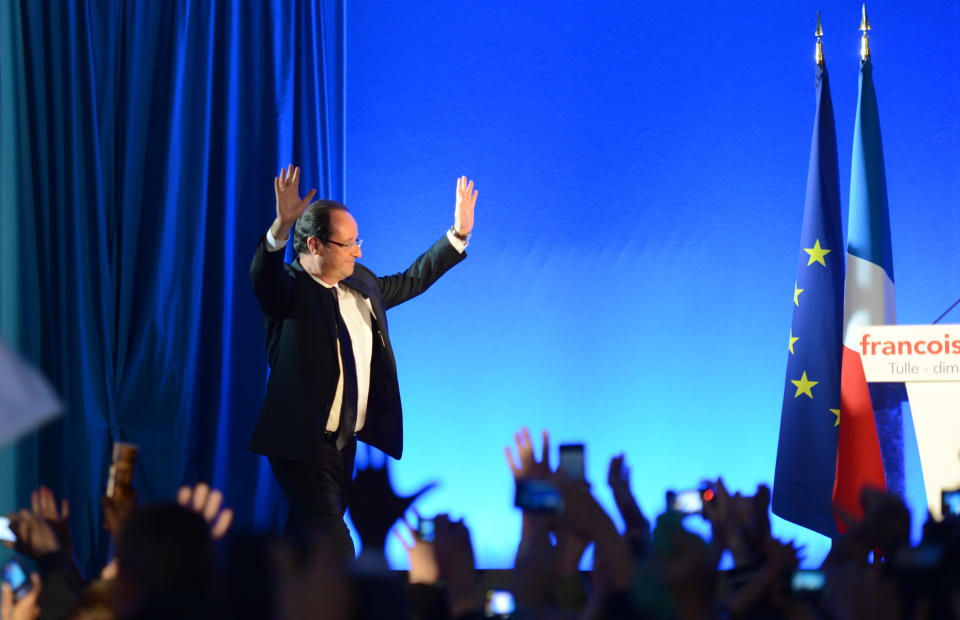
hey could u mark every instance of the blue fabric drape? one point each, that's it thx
(138, 142)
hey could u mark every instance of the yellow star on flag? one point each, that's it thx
(804, 385)
(796, 294)
(836, 412)
(792, 340)
(816, 254)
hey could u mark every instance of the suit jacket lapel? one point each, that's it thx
(364, 288)
(359, 286)
(325, 296)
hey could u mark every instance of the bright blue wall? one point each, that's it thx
(641, 169)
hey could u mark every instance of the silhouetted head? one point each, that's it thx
(164, 558)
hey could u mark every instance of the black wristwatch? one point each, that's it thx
(464, 238)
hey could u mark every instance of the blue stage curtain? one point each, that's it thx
(138, 146)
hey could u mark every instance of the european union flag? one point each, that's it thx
(807, 450)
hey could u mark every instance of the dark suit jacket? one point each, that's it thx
(301, 333)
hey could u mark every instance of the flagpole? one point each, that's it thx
(864, 40)
(819, 33)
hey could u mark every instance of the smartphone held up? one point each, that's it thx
(572, 461)
(16, 576)
(690, 501)
(6, 534)
(538, 495)
(120, 480)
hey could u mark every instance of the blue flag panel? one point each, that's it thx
(806, 453)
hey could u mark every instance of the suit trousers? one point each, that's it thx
(317, 492)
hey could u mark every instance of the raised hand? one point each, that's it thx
(582, 512)
(208, 502)
(289, 204)
(739, 523)
(570, 547)
(44, 503)
(454, 554)
(584, 515)
(618, 477)
(116, 511)
(885, 527)
(423, 561)
(375, 506)
(528, 466)
(466, 200)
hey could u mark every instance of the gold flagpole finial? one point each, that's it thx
(819, 33)
(864, 40)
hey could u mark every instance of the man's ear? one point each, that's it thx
(313, 245)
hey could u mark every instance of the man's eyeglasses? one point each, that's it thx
(348, 246)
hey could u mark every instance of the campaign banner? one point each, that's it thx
(926, 358)
(908, 353)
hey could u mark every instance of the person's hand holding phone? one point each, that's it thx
(722, 524)
(589, 521)
(570, 543)
(20, 603)
(120, 497)
(540, 501)
(116, 510)
(423, 562)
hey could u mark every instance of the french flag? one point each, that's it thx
(868, 299)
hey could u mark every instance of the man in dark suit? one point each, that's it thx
(333, 374)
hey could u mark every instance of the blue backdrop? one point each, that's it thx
(641, 169)
(139, 141)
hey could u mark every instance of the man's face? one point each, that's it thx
(334, 262)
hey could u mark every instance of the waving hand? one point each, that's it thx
(466, 201)
(289, 204)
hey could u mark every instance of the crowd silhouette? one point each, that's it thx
(180, 559)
